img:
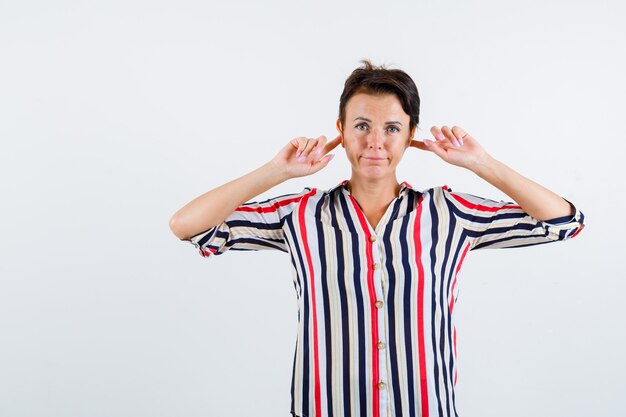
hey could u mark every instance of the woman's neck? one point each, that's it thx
(375, 194)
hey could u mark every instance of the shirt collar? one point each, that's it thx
(404, 186)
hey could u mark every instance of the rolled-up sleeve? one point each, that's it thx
(502, 224)
(252, 226)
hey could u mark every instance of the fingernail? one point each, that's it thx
(319, 151)
(441, 137)
(331, 156)
(456, 143)
(427, 142)
(301, 159)
(298, 154)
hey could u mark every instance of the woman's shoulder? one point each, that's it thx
(434, 190)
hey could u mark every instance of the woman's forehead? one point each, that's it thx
(375, 106)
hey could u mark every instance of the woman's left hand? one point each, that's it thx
(455, 146)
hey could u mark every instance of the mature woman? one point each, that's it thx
(375, 261)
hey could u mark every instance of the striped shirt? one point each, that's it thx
(376, 334)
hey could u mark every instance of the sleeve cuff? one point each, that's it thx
(576, 217)
(202, 242)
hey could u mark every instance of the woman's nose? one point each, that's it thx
(375, 140)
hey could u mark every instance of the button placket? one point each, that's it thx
(381, 346)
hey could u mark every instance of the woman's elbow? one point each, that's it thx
(177, 227)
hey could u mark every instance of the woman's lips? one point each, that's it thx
(373, 158)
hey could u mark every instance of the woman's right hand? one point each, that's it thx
(304, 156)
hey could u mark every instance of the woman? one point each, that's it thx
(375, 261)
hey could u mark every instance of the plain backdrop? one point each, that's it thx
(114, 114)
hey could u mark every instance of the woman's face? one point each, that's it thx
(375, 135)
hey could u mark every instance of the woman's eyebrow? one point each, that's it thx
(368, 120)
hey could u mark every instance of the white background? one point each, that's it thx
(115, 114)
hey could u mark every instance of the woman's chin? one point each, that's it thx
(373, 172)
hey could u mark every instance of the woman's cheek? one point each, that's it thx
(358, 134)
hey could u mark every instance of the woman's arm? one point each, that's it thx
(457, 147)
(534, 199)
(298, 158)
(212, 207)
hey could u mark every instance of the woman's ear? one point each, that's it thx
(411, 136)
(340, 130)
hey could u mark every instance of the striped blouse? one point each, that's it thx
(376, 334)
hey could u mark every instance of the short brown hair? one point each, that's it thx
(373, 79)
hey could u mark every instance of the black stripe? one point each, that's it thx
(488, 217)
(505, 229)
(559, 221)
(298, 288)
(296, 281)
(358, 294)
(540, 239)
(205, 231)
(212, 232)
(225, 234)
(254, 241)
(450, 278)
(463, 240)
(305, 317)
(444, 309)
(254, 225)
(345, 325)
(325, 297)
(406, 298)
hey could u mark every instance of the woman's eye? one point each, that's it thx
(363, 126)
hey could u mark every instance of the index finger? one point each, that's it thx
(332, 144)
(419, 145)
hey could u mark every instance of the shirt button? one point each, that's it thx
(372, 238)
(381, 385)
(378, 303)
(376, 266)
(381, 345)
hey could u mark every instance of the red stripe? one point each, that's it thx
(269, 209)
(373, 309)
(480, 206)
(578, 231)
(307, 251)
(458, 267)
(420, 310)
